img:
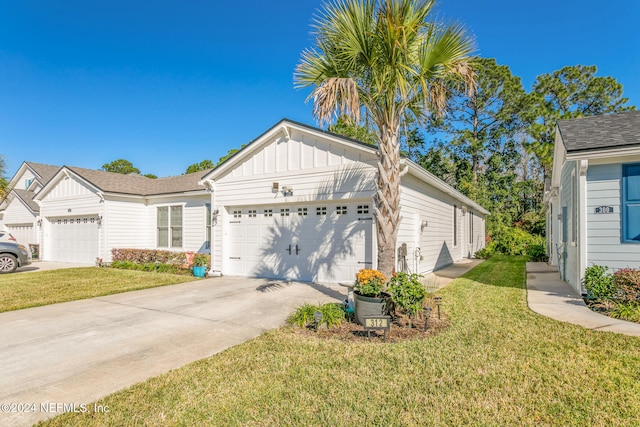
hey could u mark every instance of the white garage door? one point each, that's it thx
(23, 233)
(73, 239)
(320, 243)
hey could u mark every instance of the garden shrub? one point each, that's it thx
(537, 253)
(407, 293)
(150, 260)
(599, 283)
(332, 314)
(629, 312)
(627, 283)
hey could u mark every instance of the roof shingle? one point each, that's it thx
(600, 132)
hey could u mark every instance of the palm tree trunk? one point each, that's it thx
(387, 199)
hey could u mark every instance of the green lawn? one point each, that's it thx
(498, 364)
(23, 290)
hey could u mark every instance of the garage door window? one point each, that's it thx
(170, 226)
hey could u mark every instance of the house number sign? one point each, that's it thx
(372, 323)
(604, 209)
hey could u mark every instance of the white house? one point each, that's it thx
(593, 205)
(297, 203)
(78, 215)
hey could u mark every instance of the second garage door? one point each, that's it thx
(315, 242)
(73, 239)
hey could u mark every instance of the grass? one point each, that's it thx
(25, 290)
(497, 364)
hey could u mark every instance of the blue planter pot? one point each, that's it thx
(199, 271)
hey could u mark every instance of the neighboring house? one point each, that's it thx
(19, 212)
(78, 215)
(297, 203)
(593, 205)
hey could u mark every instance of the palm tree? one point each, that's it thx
(383, 59)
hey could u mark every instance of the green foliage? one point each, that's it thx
(201, 260)
(537, 253)
(144, 256)
(346, 127)
(514, 241)
(627, 284)
(150, 266)
(229, 154)
(4, 183)
(150, 175)
(487, 252)
(629, 312)
(121, 166)
(571, 92)
(303, 316)
(598, 283)
(407, 293)
(202, 166)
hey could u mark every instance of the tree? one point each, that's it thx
(229, 154)
(4, 184)
(346, 127)
(120, 166)
(197, 167)
(383, 59)
(568, 93)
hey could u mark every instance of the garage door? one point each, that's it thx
(73, 239)
(320, 243)
(23, 233)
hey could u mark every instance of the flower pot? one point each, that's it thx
(199, 271)
(369, 306)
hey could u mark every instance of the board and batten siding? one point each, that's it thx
(316, 170)
(567, 199)
(604, 242)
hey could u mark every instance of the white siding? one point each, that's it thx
(427, 223)
(193, 222)
(125, 225)
(605, 245)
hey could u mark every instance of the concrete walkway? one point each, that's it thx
(555, 298)
(69, 354)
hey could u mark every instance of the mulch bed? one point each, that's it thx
(401, 330)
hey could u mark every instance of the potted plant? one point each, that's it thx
(369, 295)
(200, 264)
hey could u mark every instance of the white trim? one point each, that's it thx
(582, 222)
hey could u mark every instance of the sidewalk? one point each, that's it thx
(555, 298)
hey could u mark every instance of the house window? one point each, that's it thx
(455, 225)
(27, 183)
(169, 226)
(363, 209)
(251, 213)
(284, 212)
(237, 214)
(471, 227)
(341, 210)
(302, 211)
(207, 243)
(631, 203)
(321, 211)
(268, 212)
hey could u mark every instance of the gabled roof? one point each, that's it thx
(608, 131)
(27, 198)
(44, 172)
(110, 182)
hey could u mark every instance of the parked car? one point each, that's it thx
(12, 256)
(7, 237)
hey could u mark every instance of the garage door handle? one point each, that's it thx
(234, 257)
(289, 249)
(297, 250)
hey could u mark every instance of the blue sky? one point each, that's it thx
(165, 84)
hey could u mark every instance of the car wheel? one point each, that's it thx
(8, 263)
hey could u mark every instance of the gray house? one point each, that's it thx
(593, 203)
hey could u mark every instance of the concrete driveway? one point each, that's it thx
(61, 356)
